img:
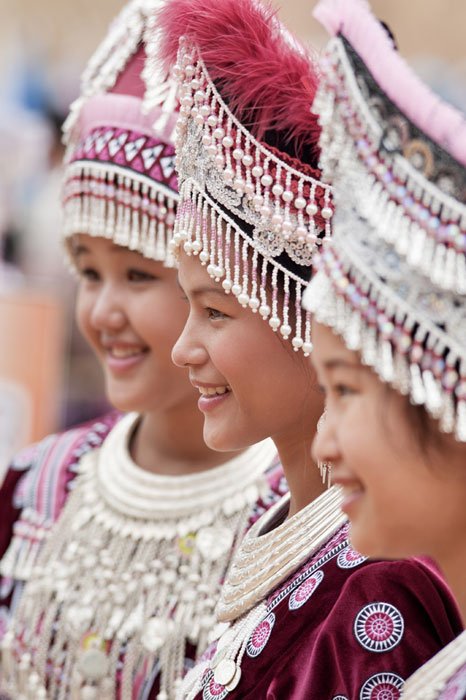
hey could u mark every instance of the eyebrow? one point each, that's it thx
(338, 363)
(81, 249)
(198, 291)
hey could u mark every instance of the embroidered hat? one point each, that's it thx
(252, 205)
(393, 279)
(120, 179)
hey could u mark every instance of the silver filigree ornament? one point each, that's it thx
(228, 178)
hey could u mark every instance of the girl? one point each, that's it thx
(390, 344)
(119, 533)
(307, 615)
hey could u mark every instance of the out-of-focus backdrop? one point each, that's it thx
(48, 378)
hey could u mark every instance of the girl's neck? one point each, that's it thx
(171, 443)
(301, 472)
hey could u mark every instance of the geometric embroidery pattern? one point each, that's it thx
(379, 627)
(382, 686)
(260, 636)
(213, 690)
(302, 594)
(349, 558)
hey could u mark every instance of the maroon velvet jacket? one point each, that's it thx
(344, 628)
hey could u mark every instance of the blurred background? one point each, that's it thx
(48, 379)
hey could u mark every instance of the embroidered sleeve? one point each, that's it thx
(389, 618)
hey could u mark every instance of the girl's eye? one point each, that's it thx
(140, 276)
(89, 274)
(342, 390)
(214, 314)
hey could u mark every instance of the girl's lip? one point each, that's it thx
(120, 365)
(349, 498)
(208, 403)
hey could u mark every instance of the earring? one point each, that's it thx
(325, 468)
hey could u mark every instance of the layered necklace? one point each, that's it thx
(267, 557)
(431, 679)
(129, 576)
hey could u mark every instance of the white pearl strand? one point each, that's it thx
(428, 682)
(106, 577)
(264, 561)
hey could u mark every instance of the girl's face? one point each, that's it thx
(403, 498)
(251, 383)
(130, 311)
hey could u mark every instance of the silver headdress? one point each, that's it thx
(393, 280)
(251, 205)
(120, 179)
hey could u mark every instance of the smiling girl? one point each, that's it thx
(389, 304)
(118, 533)
(306, 615)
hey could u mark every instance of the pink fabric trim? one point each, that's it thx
(125, 112)
(437, 119)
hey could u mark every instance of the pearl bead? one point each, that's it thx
(212, 120)
(195, 84)
(236, 289)
(248, 160)
(199, 119)
(307, 348)
(189, 70)
(227, 141)
(238, 154)
(274, 323)
(300, 202)
(297, 343)
(199, 96)
(228, 174)
(285, 330)
(187, 101)
(204, 110)
(212, 150)
(257, 201)
(257, 171)
(203, 257)
(176, 239)
(249, 189)
(238, 184)
(266, 180)
(264, 310)
(219, 161)
(196, 247)
(288, 196)
(219, 272)
(227, 285)
(277, 190)
(188, 248)
(254, 304)
(327, 213)
(301, 231)
(243, 299)
(287, 226)
(218, 133)
(211, 270)
(88, 693)
(277, 220)
(265, 211)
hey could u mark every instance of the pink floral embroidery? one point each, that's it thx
(302, 594)
(260, 636)
(379, 627)
(382, 686)
(349, 558)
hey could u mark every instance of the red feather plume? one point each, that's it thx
(268, 83)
